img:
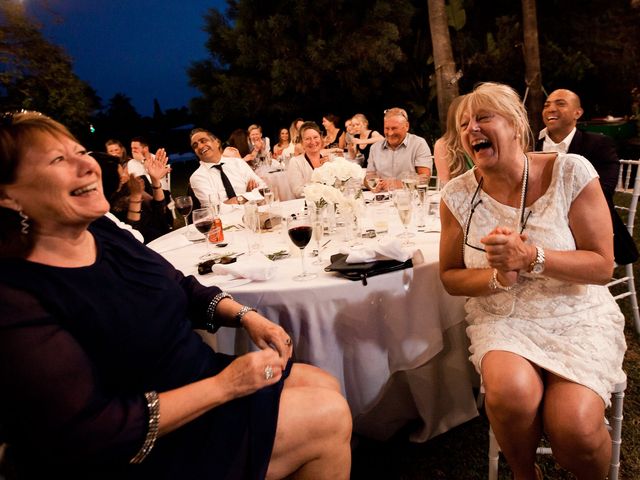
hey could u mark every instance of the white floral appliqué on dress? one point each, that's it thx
(572, 330)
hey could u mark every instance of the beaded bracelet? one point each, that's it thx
(153, 406)
(212, 325)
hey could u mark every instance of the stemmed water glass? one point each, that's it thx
(203, 220)
(372, 179)
(300, 227)
(403, 200)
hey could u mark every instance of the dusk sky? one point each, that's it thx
(137, 47)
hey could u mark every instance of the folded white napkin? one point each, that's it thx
(253, 196)
(386, 249)
(255, 267)
(169, 242)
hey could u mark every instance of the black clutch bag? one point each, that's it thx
(360, 271)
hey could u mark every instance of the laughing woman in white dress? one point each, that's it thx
(528, 238)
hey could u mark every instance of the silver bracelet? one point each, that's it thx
(153, 406)
(212, 325)
(494, 283)
(241, 313)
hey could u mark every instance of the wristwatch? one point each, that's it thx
(537, 266)
(241, 313)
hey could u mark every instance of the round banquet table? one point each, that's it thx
(397, 345)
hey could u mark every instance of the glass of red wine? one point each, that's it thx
(184, 205)
(203, 220)
(300, 228)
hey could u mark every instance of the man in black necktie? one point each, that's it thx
(560, 115)
(219, 177)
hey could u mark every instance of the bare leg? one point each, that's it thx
(574, 421)
(314, 429)
(303, 375)
(513, 392)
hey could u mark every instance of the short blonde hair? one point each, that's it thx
(363, 120)
(503, 100)
(396, 112)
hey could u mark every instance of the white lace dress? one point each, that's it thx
(572, 330)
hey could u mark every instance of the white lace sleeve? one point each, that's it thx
(577, 173)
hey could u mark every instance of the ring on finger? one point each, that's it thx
(287, 341)
(268, 372)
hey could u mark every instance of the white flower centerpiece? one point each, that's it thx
(322, 195)
(337, 173)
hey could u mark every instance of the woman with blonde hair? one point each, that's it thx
(363, 137)
(528, 238)
(448, 154)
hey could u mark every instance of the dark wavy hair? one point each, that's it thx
(17, 132)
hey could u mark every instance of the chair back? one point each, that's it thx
(629, 184)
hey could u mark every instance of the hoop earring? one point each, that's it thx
(24, 222)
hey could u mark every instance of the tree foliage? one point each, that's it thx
(37, 75)
(287, 58)
(273, 61)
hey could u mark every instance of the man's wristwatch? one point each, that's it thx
(537, 266)
(241, 313)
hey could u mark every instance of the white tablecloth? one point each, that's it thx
(396, 345)
(278, 181)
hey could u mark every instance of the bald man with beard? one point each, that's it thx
(560, 115)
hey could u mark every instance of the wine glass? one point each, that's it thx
(372, 179)
(409, 181)
(403, 201)
(251, 220)
(203, 220)
(269, 197)
(300, 228)
(318, 232)
(422, 188)
(184, 205)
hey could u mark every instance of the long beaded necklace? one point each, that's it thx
(523, 198)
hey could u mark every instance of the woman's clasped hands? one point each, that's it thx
(508, 252)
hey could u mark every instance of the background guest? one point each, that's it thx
(295, 137)
(301, 166)
(448, 154)
(223, 178)
(129, 202)
(400, 153)
(239, 140)
(560, 114)
(284, 149)
(363, 137)
(334, 137)
(117, 149)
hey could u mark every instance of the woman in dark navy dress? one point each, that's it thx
(101, 373)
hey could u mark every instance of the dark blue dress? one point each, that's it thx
(80, 346)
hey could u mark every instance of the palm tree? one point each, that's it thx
(533, 74)
(446, 79)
